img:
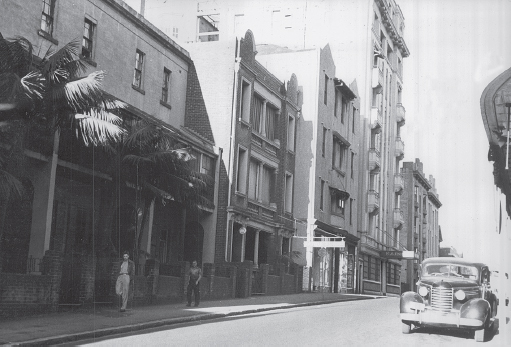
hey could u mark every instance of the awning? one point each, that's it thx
(327, 230)
(342, 194)
(344, 88)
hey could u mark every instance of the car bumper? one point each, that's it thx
(435, 318)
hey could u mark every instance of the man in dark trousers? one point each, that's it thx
(122, 286)
(195, 274)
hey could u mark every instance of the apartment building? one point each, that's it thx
(420, 232)
(366, 42)
(254, 117)
(326, 166)
(71, 213)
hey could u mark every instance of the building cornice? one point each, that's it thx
(421, 179)
(434, 199)
(388, 22)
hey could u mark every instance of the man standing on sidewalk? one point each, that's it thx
(193, 285)
(122, 285)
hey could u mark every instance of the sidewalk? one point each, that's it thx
(61, 327)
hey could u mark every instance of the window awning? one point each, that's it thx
(341, 138)
(342, 194)
(344, 88)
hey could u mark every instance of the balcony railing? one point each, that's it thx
(373, 201)
(377, 79)
(374, 160)
(399, 220)
(400, 114)
(398, 183)
(376, 120)
(400, 147)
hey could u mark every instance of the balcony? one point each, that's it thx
(424, 240)
(399, 219)
(400, 148)
(398, 183)
(400, 114)
(374, 160)
(377, 80)
(376, 120)
(373, 202)
(369, 241)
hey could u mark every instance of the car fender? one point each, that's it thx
(406, 299)
(476, 309)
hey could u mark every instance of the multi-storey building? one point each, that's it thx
(254, 117)
(326, 165)
(420, 232)
(366, 41)
(71, 211)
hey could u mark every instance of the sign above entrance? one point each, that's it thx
(398, 254)
(324, 244)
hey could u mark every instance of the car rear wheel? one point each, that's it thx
(406, 328)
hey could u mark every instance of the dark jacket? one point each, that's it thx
(131, 267)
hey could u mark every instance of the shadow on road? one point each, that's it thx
(460, 333)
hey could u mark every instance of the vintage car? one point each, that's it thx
(451, 293)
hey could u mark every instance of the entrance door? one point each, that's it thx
(194, 237)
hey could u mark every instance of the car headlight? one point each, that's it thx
(460, 295)
(423, 291)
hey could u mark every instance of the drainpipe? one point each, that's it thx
(237, 61)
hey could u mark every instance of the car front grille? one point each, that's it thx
(441, 299)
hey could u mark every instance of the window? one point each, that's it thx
(253, 180)
(261, 182)
(166, 86)
(175, 32)
(47, 16)
(267, 184)
(336, 103)
(245, 101)
(337, 205)
(339, 149)
(393, 276)
(202, 163)
(139, 63)
(352, 165)
(326, 90)
(322, 197)
(344, 108)
(291, 133)
(288, 198)
(257, 114)
(371, 268)
(208, 27)
(323, 145)
(351, 211)
(285, 245)
(353, 120)
(88, 37)
(270, 122)
(241, 179)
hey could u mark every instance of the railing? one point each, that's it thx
(398, 217)
(400, 147)
(376, 119)
(398, 183)
(400, 113)
(374, 159)
(374, 201)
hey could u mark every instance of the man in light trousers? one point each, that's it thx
(122, 285)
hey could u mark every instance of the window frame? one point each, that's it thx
(291, 132)
(138, 69)
(48, 17)
(90, 39)
(165, 89)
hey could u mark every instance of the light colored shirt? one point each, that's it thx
(195, 273)
(124, 267)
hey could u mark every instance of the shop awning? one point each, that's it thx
(327, 230)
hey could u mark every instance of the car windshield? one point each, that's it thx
(450, 270)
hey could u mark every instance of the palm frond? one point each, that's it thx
(95, 131)
(55, 59)
(10, 185)
(32, 84)
(79, 94)
(15, 55)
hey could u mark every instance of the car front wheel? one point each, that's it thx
(406, 328)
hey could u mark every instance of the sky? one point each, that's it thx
(457, 48)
